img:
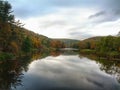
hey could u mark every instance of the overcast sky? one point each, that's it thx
(76, 19)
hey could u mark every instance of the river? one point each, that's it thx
(66, 70)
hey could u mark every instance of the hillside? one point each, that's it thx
(68, 42)
(12, 39)
(97, 38)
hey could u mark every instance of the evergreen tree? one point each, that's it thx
(5, 12)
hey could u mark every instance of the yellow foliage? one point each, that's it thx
(36, 42)
(14, 47)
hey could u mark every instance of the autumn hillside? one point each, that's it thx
(15, 40)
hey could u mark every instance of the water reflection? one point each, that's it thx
(10, 75)
(108, 66)
(11, 71)
(66, 70)
(112, 68)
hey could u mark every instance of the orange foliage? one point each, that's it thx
(56, 44)
(36, 42)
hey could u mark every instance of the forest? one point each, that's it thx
(15, 40)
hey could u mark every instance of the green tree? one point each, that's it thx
(106, 44)
(27, 45)
(5, 12)
(6, 19)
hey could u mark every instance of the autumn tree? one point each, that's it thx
(36, 43)
(14, 47)
(57, 44)
(84, 45)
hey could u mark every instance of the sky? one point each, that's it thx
(74, 19)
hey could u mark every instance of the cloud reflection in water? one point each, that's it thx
(67, 72)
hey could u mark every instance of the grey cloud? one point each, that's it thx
(72, 3)
(97, 14)
(30, 8)
(110, 11)
(104, 17)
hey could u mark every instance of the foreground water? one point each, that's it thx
(60, 71)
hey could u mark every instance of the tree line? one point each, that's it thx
(108, 46)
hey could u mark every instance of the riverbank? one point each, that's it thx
(113, 55)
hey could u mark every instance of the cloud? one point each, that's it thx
(27, 8)
(33, 8)
(73, 3)
(97, 14)
(109, 11)
(61, 24)
(104, 16)
(48, 24)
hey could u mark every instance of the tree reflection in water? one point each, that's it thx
(111, 67)
(11, 72)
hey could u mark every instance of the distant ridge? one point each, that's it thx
(96, 38)
(118, 35)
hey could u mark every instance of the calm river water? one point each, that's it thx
(59, 71)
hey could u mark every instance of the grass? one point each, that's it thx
(87, 51)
